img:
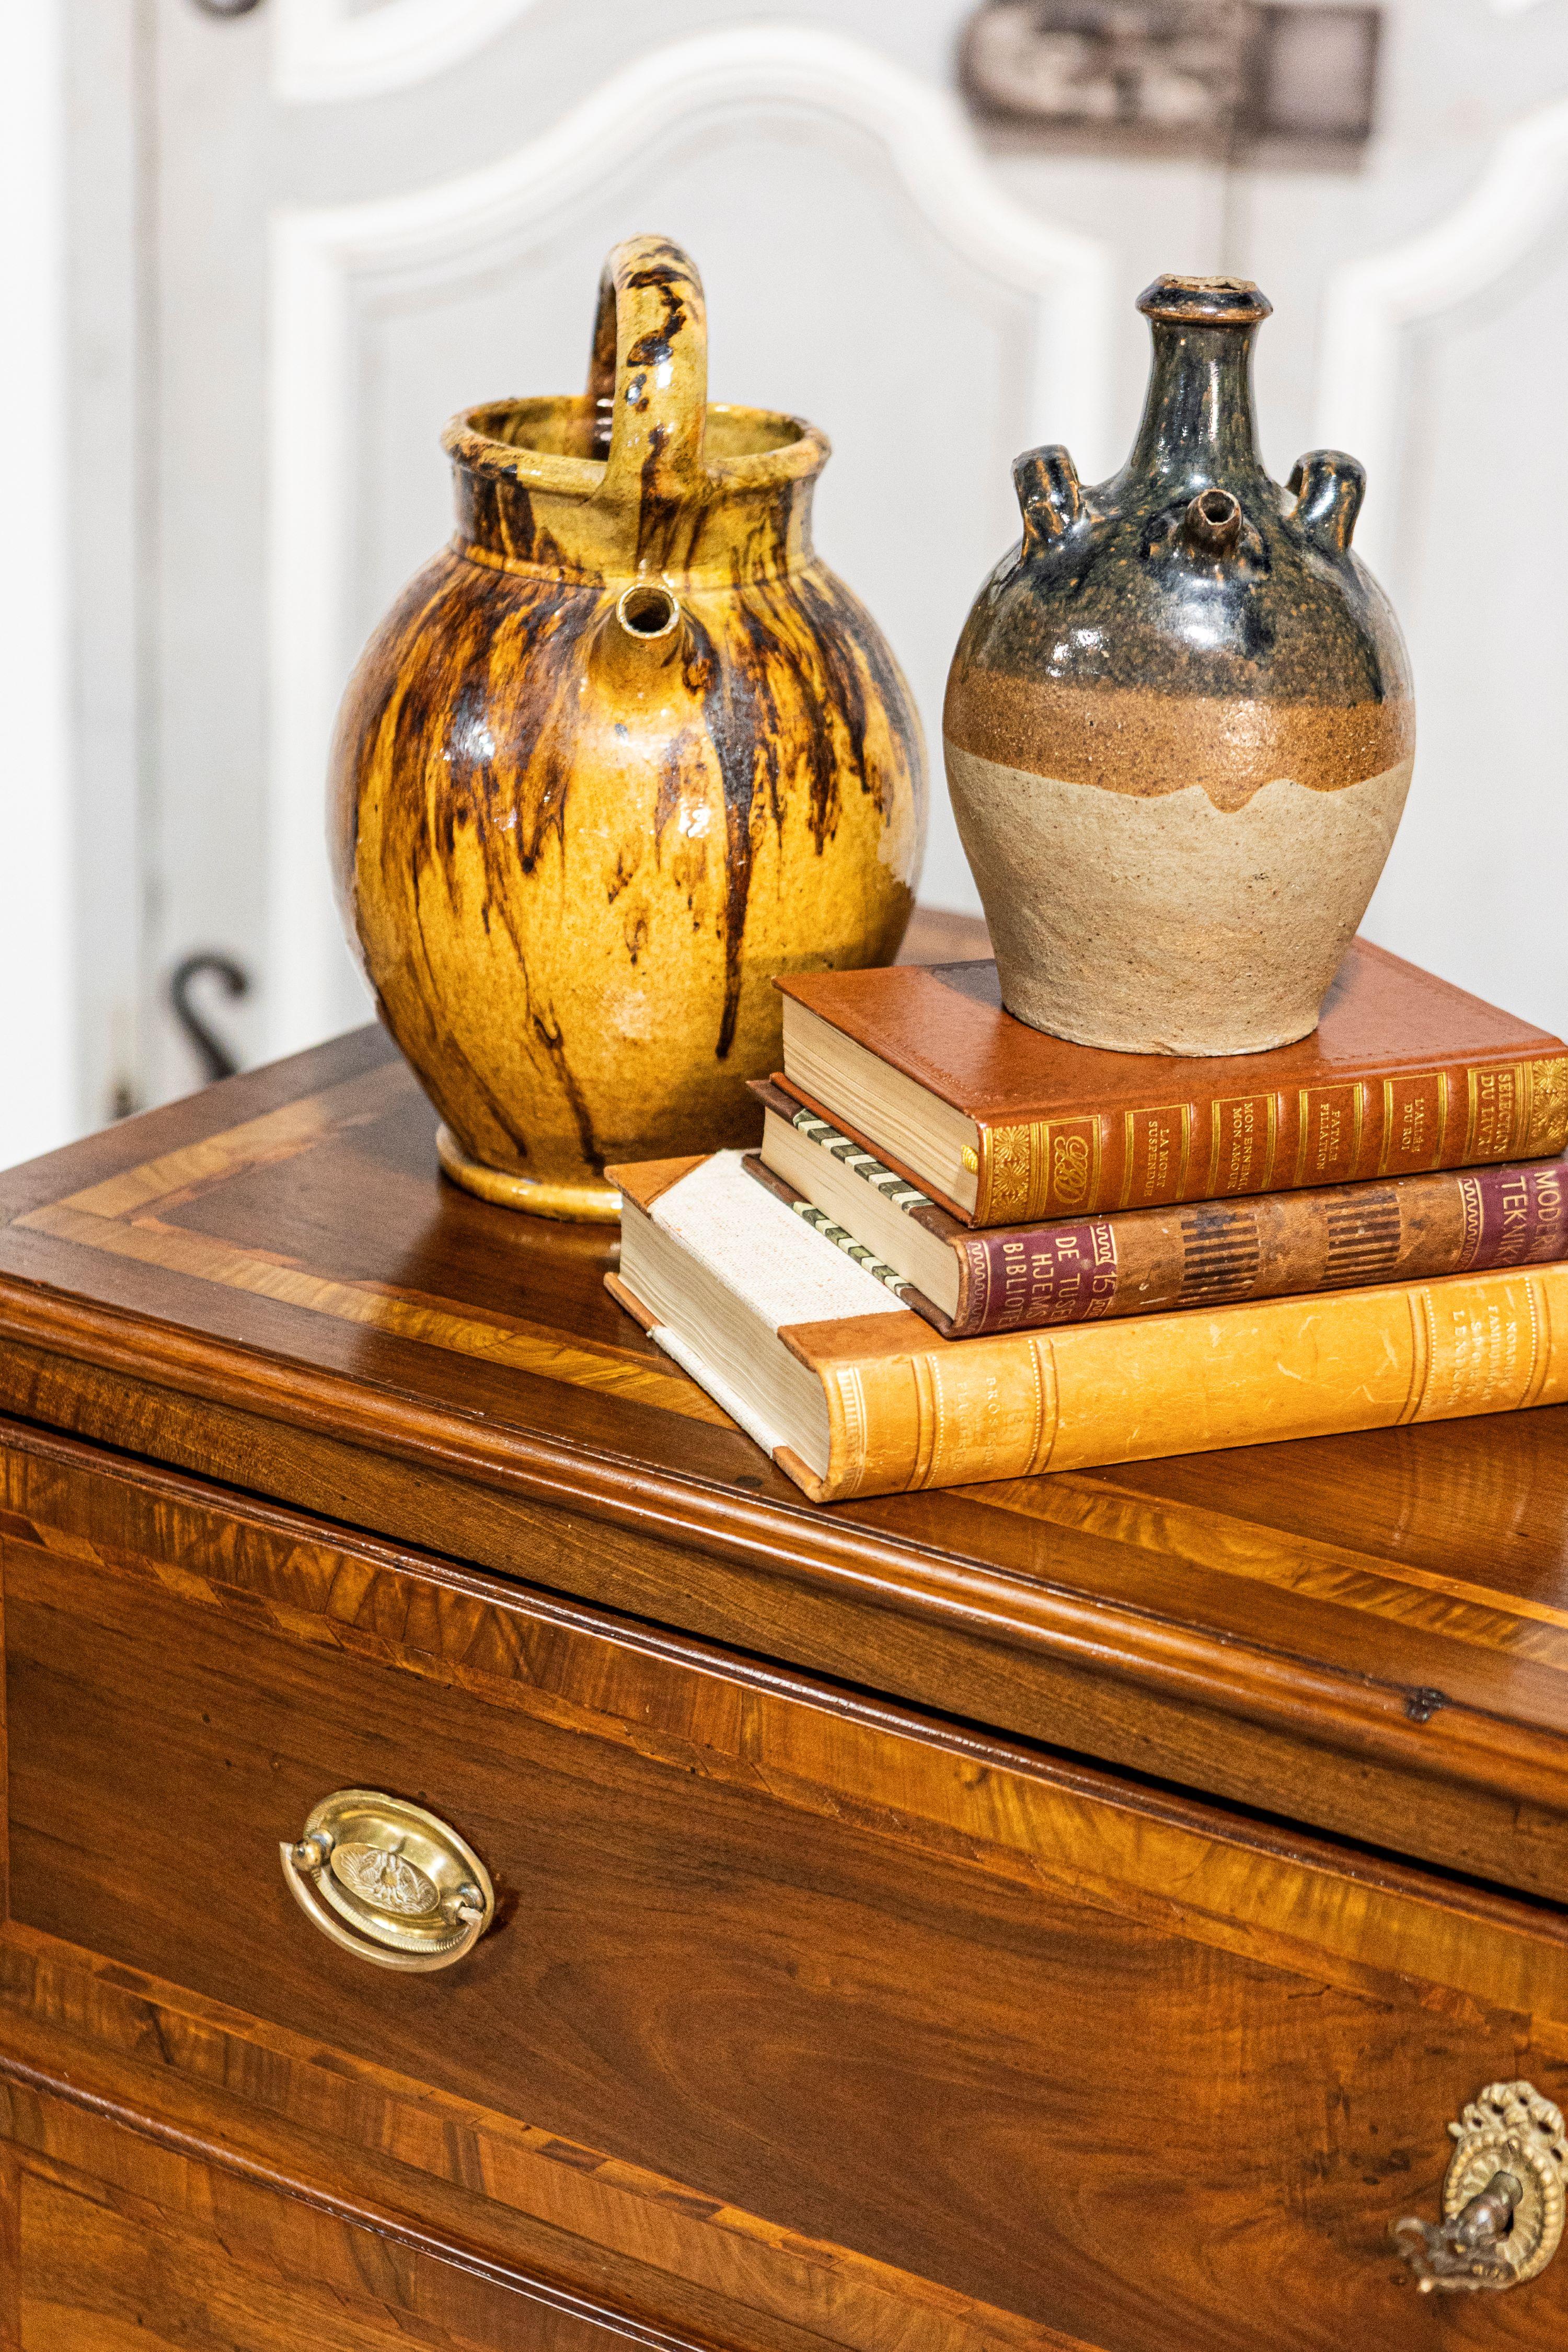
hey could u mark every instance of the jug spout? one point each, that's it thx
(641, 638)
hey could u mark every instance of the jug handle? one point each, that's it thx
(649, 375)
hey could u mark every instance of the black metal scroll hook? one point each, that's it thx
(216, 1061)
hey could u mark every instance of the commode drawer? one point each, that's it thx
(1108, 2067)
(114, 2241)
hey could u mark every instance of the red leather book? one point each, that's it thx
(1003, 1125)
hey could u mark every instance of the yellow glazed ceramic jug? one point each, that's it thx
(620, 754)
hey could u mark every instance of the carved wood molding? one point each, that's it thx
(1372, 302)
(318, 255)
(323, 54)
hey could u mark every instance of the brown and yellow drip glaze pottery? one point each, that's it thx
(1179, 725)
(623, 752)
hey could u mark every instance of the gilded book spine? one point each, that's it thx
(1266, 1246)
(1272, 1142)
(958, 1412)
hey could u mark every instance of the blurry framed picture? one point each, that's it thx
(1184, 75)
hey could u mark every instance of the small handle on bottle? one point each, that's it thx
(648, 374)
(1329, 487)
(1050, 497)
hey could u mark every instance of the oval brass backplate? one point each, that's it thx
(388, 1881)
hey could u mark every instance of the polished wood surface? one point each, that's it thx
(805, 1956)
(570, 2225)
(272, 1283)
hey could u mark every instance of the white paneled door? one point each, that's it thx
(37, 928)
(307, 231)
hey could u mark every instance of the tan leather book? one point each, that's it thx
(851, 1395)
(1004, 1124)
(969, 1284)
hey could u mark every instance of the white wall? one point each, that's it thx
(227, 426)
(37, 1109)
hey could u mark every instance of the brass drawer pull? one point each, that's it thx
(388, 1881)
(1503, 2196)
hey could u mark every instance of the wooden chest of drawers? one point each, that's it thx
(1061, 1914)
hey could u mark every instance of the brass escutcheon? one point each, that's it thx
(388, 1881)
(1503, 2196)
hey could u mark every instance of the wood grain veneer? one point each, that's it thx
(868, 1976)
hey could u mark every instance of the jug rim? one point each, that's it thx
(793, 449)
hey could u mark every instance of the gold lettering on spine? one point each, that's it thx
(1165, 1160)
(1240, 1122)
(1485, 1339)
(1494, 1118)
(1409, 1116)
(1421, 1340)
(1330, 1120)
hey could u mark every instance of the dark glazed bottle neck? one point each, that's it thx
(1198, 425)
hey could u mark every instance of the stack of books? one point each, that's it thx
(969, 1251)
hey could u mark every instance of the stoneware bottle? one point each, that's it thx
(618, 755)
(1179, 725)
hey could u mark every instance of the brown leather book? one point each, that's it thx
(1004, 1124)
(851, 1395)
(1153, 1261)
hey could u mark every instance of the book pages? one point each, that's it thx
(762, 1251)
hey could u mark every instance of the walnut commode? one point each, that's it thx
(1179, 725)
(623, 752)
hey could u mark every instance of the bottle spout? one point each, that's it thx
(1212, 523)
(1197, 424)
(1205, 301)
(641, 637)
